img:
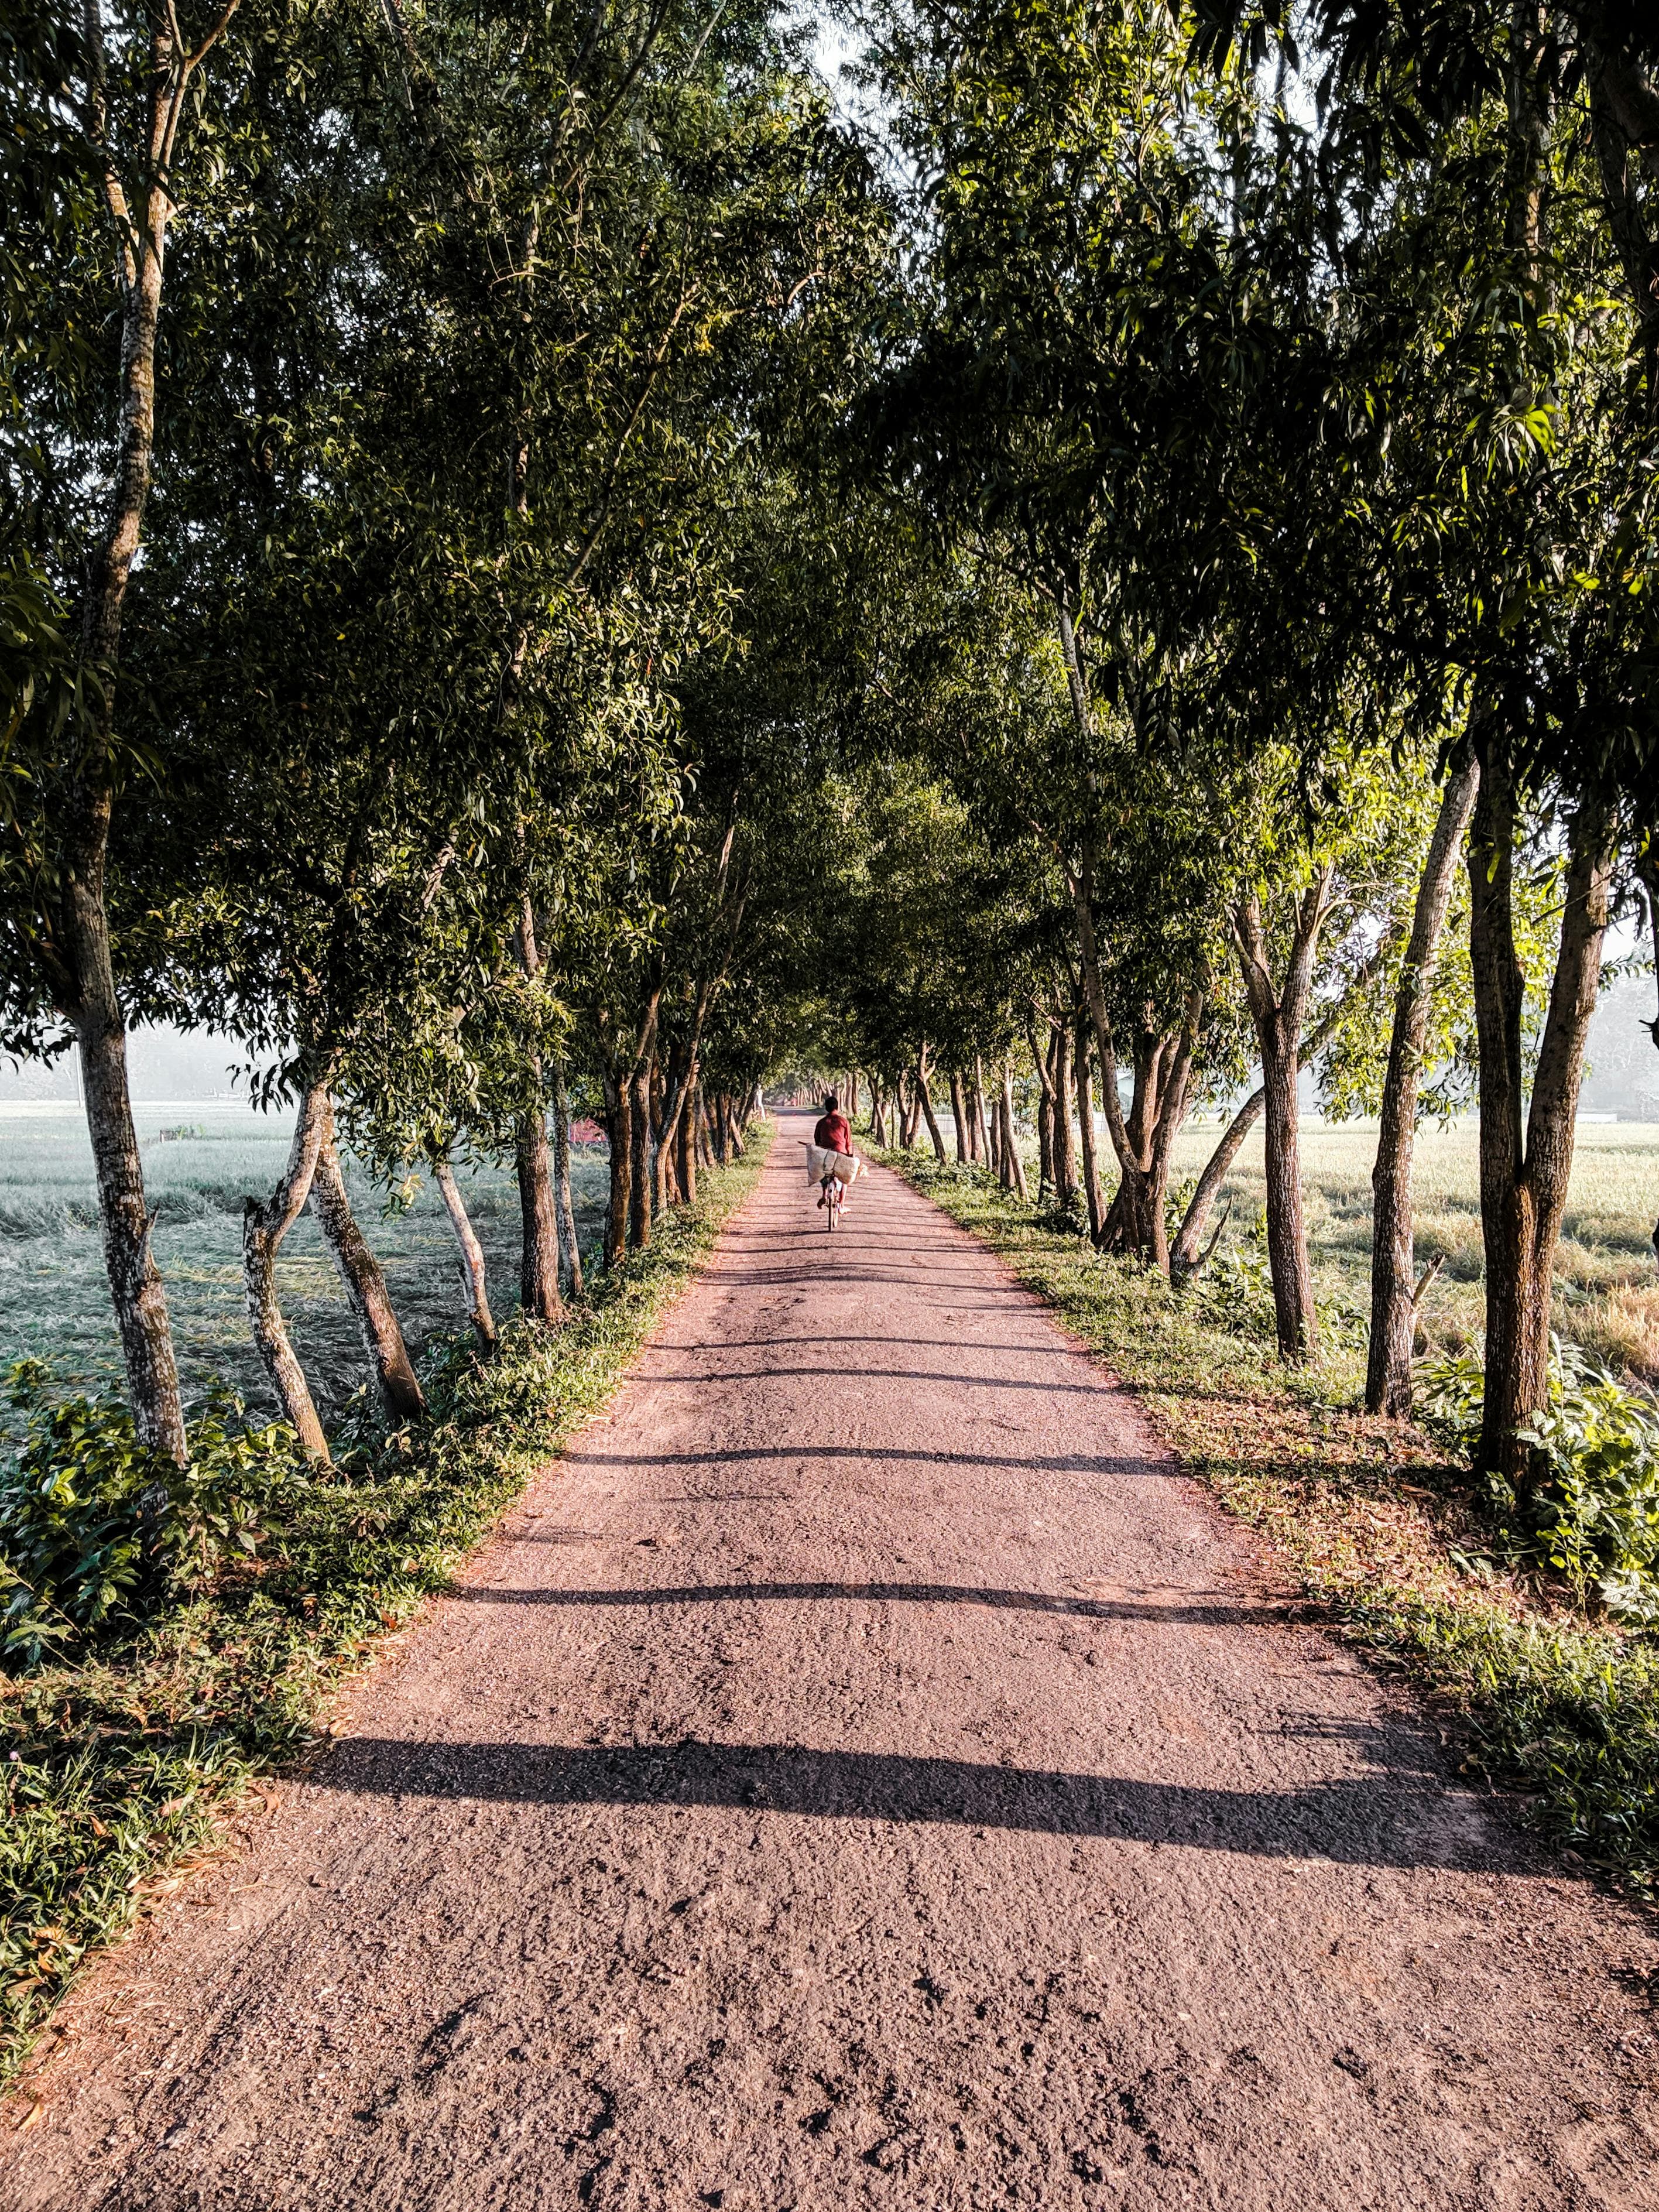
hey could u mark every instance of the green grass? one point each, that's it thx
(54, 1296)
(1558, 1708)
(125, 1766)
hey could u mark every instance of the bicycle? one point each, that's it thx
(834, 1192)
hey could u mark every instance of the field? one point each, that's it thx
(54, 1304)
(1606, 1296)
(54, 1301)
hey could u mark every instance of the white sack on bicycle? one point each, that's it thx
(820, 1161)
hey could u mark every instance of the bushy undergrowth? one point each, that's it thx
(1594, 1517)
(191, 1626)
(97, 1534)
(1512, 1623)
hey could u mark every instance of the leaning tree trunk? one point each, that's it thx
(1085, 1121)
(1524, 1168)
(1388, 1367)
(474, 1284)
(263, 1228)
(1186, 1251)
(564, 1204)
(364, 1285)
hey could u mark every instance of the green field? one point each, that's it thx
(54, 1303)
(1606, 1293)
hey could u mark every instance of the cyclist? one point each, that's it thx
(834, 1133)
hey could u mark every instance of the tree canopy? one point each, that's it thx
(550, 565)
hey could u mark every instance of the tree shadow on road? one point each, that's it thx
(1225, 1613)
(1399, 1818)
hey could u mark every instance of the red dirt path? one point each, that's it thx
(865, 1772)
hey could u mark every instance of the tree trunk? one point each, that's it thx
(705, 1142)
(538, 1270)
(665, 1104)
(263, 1228)
(689, 1112)
(1294, 1310)
(539, 1264)
(924, 1101)
(1524, 1170)
(620, 1148)
(88, 997)
(959, 1116)
(877, 1116)
(1086, 1121)
(1013, 1167)
(364, 1285)
(1045, 1118)
(1389, 1367)
(474, 1287)
(1185, 1252)
(639, 1164)
(1277, 1016)
(563, 1202)
(1065, 1171)
(1171, 1118)
(124, 1219)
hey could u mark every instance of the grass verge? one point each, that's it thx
(1381, 1530)
(119, 1772)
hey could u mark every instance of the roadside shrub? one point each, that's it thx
(1235, 1293)
(97, 1532)
(1593, 1516)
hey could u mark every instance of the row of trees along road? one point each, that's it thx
(544, 564)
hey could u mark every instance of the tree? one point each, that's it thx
(131, 113)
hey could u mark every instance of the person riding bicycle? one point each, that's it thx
(834, 1133)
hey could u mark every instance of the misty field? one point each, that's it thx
(54, 1300)
(1606, 1295)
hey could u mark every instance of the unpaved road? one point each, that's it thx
(865, 1772)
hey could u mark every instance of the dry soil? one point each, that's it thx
(865, 1772)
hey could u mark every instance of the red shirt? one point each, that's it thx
(834, 1133)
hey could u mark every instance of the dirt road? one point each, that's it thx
(867, 1773)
